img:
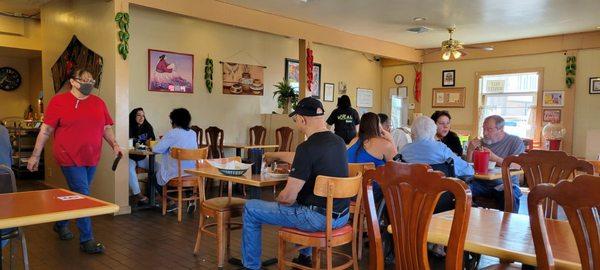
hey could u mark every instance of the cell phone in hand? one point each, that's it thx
(116, 162)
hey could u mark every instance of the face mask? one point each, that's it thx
(86, 88)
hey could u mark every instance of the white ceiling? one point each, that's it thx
(477, 21)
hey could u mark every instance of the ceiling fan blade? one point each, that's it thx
(479, 47)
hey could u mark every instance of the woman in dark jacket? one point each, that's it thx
(344, 119)
(141, 132)
(449, 138)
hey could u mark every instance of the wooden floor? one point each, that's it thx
(142, 240)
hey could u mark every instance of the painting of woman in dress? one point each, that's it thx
(170, 72)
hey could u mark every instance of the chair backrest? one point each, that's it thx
(283, 138)
(411, 192)
(355, 168)
(199, 134)
(338, 188)
(580, 200)
(596, 164)
(542, 166)
(181, 154)
(7, 180)
(257, 135)
(214, 140)
(528, 144)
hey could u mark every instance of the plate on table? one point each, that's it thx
(232, 168)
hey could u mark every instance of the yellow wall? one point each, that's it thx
(29, 39)
(93, 23)
(235, 114)
(14, 103)
(35, 81)
(586, 106)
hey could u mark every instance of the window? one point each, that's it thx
(512, 96)
(399, 112)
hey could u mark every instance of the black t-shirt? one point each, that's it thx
(344, 121)
(322, 154)
(141, 134)
(453, 142)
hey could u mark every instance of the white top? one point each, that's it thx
(401, 137)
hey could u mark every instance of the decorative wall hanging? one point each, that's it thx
(448, 97)
(448, 78)
(570, 70)
(170, 71)
(364, 98)
(243, 79)
(122, 19)
(208, 74)
(328, 90)
(292, 74)
(595, 85)
(553, 98)
(418, 79)
(76, 55)
(342, 88)
(551, 115)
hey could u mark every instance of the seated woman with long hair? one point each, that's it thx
(141, 132)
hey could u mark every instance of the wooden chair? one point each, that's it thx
(257, 135)
(580, 200)
(541, 166)
(355, 169)
(214, 140)
(283, 138)
(411, 192)
(596, 164)
(222, 209)
(331, 188)
(199, 135)
(8, 185)
(188, 181)
(528, 144)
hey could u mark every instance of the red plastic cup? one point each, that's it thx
(481, 161)
(554, 144)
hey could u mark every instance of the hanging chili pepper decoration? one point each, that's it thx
(309, 68)
(418, 77)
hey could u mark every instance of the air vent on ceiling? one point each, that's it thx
(418, 30)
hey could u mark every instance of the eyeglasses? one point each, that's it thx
(79, 80)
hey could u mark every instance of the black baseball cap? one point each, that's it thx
(309, 107)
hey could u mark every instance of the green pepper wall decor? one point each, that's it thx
(570, 70)
(122, 19)
(208, 74)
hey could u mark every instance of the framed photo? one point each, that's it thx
(448, 78)
(595, 85)
(328, 89)
(292, 74)
(448, 97)
(553, 99)
(170, 71)
(551, 115)
(242, 79)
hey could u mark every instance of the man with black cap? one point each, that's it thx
(296, 206)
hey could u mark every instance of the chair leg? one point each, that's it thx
(220, 241)
(179, 203)
(361, 228)
(228, 235)
(164, 200)
(281, 254)
(13, 251)
(199, 236)
(329, 258)
(316, 258)
(24, 247)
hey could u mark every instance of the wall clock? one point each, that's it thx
(398, 79)
(10, 79)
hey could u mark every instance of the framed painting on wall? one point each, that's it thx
(292, 74)
(553, 99)
(448, 78)
(448, 97)
(595, 85)
(170, 71)
(551, 115)
(242, 79)
(328, 89)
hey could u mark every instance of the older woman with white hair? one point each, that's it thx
(426, 149)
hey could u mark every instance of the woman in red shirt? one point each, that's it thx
(79, 121)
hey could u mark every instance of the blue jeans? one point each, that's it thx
(79, 180)
(495, 190)
(258, 212)
(133, 179)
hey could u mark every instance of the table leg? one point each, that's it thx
(151, 180)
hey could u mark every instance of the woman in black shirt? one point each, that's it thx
(344, 119)
(141, 132)
(449, 138)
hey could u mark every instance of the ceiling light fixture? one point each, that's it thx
(419, 19)
(446, 56)
(456, 54)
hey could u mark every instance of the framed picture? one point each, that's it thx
(328, 89)
(292, 74)
(595, 85)
(551, 115)
(242, 79)
(170, 71)
(364, 98)
(448, 78)
(553, 99)
(448, 97)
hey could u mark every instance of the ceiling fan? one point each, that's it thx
(454, 48)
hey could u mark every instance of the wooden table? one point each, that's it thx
(508, 236)
(239, 147)
(495, 174)
(150, 188)
(43, 206)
